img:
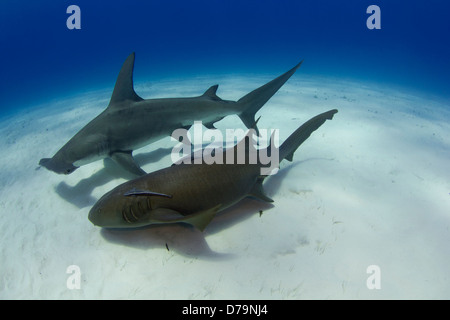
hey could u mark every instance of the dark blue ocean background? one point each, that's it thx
(42, 60)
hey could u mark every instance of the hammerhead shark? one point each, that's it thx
(192, 193)
(130, 122)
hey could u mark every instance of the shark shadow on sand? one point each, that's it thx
(187, 241)
(184, 239)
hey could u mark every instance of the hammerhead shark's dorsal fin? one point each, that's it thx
(123, 90)
(199, 220)
(126, 161)
(211, 92)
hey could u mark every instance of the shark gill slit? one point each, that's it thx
(124, 216)
(141, 209)
(134, 212)
(128, 215)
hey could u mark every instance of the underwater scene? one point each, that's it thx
(225, 149)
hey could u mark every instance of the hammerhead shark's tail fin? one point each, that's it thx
(287, 149)
(253, 101)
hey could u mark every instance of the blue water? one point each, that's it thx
(42, 59)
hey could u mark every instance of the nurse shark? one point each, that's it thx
(130, 122)
(193, 193)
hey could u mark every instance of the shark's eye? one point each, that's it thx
(68, 170)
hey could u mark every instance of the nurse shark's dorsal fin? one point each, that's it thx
(123, 90)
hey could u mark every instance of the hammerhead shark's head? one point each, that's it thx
(130, 122)
(192, 193)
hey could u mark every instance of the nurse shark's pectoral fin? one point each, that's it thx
(258, 191)
(199, 220)
(290, 156)
(126, 161)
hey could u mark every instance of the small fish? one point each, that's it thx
(167, 247)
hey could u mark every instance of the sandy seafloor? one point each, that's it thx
(370, 187)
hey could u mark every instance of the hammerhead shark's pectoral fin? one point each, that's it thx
(210, 125)
(199, 220)
(126, 161)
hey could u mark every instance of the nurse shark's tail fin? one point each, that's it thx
(253, 101)
(290, 145)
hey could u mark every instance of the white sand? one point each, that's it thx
(370, 187)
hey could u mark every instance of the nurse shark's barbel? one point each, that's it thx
(193, 193)
(130, 122)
